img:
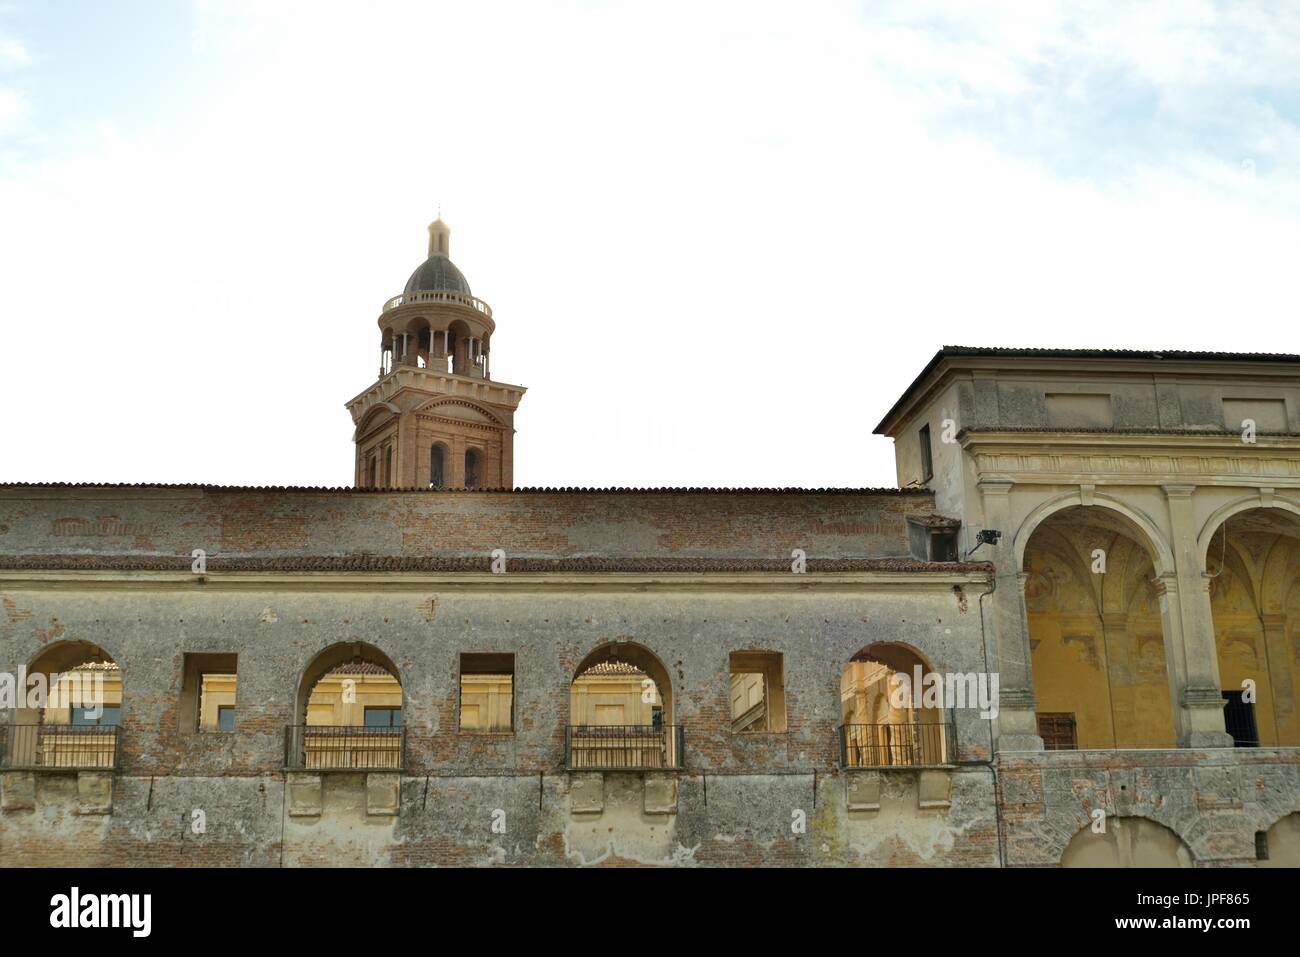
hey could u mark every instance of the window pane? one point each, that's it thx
(226, 718)
(383, 717)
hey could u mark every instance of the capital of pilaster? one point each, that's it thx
(1198, 697)
(995, 486)
(1016, 699)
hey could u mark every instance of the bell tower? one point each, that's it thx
(435, 416)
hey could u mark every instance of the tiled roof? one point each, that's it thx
(612, 668)
(388, 563)
(567, 490)
(358, 667)
(1143, 354)
(1113, 430)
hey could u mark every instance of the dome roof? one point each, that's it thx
(437, 273)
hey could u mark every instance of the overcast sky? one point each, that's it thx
(718, 239)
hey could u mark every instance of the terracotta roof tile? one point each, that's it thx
(530, 490)
(391, 563)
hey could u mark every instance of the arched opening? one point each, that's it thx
(348, 712)
(892, 715)
(459, 336)
(620, 711)
(68, 710)
(1095, 633)
(422, 343)
(1127, 842)
(1253, 563)
(473, 468)
(438, 459)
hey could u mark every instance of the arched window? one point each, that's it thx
(349, 712)
(388, 467)
(1254, 570)
(71, 710)
(620, 712)
(888, 722)
(471, 468)
(437, 466)
(1100, 675)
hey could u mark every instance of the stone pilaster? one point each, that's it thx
(1189, 633)
(1017, 724)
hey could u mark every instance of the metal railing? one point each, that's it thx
(897, 745)
(343, 748)
(632, 747)
(68, 747)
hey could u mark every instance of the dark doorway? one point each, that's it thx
(1239, 718)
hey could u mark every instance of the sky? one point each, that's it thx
(718, 239)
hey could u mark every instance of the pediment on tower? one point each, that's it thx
(463, 409)
(375, 417)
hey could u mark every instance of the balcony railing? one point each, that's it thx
(440, 295)
(343, 748)
(628, 747)
(66, 747)
(897, 745)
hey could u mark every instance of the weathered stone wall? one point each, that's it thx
(734, 803)
(312, 523)
(1214, 800)
(110, 567)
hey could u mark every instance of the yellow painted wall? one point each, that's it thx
(1255, 606)
(1096, 638)
(611, 700)
(326, 706)
(486, 702)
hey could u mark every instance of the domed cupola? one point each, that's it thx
(438, 272)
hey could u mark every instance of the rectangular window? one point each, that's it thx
(943, 545)
(1058, 730)
(487, 692)
(757, 692)
(226, 717)
(383, 717)
(208, 682)
(106, 716)
(927, 454)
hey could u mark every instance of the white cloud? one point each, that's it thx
(12, 109)
(12, 53)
